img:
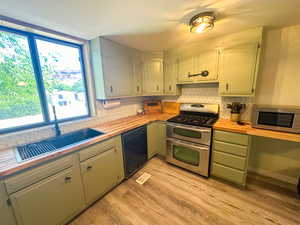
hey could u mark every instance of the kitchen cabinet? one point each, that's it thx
(6, 213)
(137, 73)
(153, 79)
(206, 65)
(230, 153)
(103, 171)
(170, 75)
(199, 67)
(156, 139)
(112, 68)
(51, 201)
(185, 69)
(238, 70)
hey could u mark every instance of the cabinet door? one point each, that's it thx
(153, 76)
(101, 173)
(152, 139)
(6, 214)
(185, 68)
(51, 201)
(239, 70)
(137, 74)
(206, 61)
(156, 139)
(161, 140)
(170, 77)
(117, 72)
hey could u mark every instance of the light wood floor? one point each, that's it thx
(175, 196)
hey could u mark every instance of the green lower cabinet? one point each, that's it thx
(156, 139)
(6, 213)
(230, 153)
(102, 172)
(51, 201)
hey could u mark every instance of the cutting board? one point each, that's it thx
(152, 106)
(171, 107)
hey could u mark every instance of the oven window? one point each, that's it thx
(186, 155)
(276, 119)
(187, 133)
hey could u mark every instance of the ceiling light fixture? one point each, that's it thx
(202, 22)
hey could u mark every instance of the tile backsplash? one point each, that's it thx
(208, 93)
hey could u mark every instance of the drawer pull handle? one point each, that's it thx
(68, 179)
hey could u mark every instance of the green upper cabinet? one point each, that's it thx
(198, 67)
(238, 70)
(6, 213)
(239, 62)
(170, 74)
(112, 67)
(153, 76)
(205, 66)
(137, 73)
(185, 69)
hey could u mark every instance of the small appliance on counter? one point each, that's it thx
(189, 137)
(278, 118)
(236, 109)
(152, 106)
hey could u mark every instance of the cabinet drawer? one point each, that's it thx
(235, 138)
(229, 174)
(233, 161)
(230, 148)
(27, 178)
(96, 149)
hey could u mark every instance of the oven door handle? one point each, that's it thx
(181, 143)
(189, 128)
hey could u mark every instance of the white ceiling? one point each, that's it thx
(150, 24)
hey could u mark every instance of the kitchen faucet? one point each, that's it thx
(56, 126)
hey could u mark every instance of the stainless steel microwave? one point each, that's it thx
(278, 118)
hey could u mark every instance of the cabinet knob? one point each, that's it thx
(68, 179)
(170, 87)
(157, 87)
(89, 167)
(227, 87)
(137, 88)
(111, 89)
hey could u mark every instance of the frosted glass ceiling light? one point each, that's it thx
(202, 22)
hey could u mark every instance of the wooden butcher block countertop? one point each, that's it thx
(227, 125)
(9, 165)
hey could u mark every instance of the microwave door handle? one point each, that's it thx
(187, 145)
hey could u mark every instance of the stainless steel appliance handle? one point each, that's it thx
(188, 128)
(181, 143)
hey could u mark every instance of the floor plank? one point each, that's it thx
(175, 196)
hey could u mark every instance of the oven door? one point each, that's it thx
(192, 157)
(189, 133)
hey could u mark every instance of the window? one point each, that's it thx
(36, 74)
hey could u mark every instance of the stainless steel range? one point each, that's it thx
(189, 137)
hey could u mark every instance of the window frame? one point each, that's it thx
(31, 38)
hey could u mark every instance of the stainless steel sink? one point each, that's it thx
(32, 150)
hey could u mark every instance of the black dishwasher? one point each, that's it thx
(134, 149)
